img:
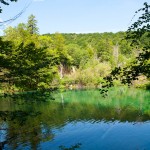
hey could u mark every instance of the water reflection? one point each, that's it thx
(80, 121)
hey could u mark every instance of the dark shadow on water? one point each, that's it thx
(38, 95)
(73, 147)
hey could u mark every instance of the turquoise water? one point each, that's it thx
(78, 120)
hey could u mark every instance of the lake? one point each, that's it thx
(78, 119)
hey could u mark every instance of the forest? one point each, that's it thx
(30, 61)
(68, 91)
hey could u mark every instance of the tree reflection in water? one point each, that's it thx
(73, 147)
(33, 123)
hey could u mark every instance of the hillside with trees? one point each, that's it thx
(30, 61)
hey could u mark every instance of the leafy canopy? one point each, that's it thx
(138, 34)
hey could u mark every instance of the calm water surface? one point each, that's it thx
(78, 120)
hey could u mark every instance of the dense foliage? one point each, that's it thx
(138, 35)
(35, 61)
(30, 61)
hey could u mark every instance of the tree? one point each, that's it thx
(104, 49)
(138, 34)
(17, 34)
(76, 53)
(139, 31)
(26, 61)
(63, 59)
(27, 67)
(21, 33)
(32, 25)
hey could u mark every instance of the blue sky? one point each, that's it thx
(75, 16)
